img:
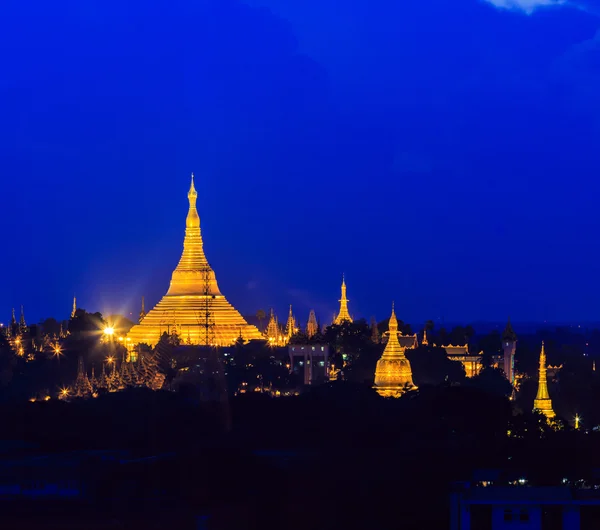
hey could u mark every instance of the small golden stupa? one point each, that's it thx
(343, 315)
(193, 307)
(393, 375)
(542, 402)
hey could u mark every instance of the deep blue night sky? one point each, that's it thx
(443, 154)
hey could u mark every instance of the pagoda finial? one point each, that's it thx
(74, 306)
(542, 402)
(393, 321)
(192, 191)
(13, 319)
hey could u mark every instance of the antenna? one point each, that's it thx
(207, 310)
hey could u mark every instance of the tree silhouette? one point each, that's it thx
(260, 315)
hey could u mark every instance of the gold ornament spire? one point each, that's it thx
(74, 306)
(312, 326)
(425, 342)
(290, 326)
(193, 299)
(343, 315)
(542, 402)
(393, 375)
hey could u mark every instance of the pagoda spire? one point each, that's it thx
(83, 387)
(74, 306)
(343, 315)
(13, 320)
(193, 268)
(393, 375)
(273, 333)
(143, 313)
(22, 323)
(312, 326)
(425, 342)
(542, 402)
(290, 326)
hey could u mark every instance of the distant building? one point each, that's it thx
(487, 504)
(509, 347)
(310, 361)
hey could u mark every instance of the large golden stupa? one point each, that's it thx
(393, 375)
(193, 307)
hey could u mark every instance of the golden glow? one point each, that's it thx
(183, 310)
(393, 375)
(577, 420)
(110, 360)
(57, 350)
(343, 315)
(542, 402)
(64, 392)
(109, 331)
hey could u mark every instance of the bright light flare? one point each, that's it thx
(109, 331)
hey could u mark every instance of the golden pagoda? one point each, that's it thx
(343, 315)
(393, 375)
(290, 326)
(312, 326)
(193, 306)
(425, 342)
(542, 402)
(273, 333)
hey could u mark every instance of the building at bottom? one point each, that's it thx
(310, 362)
(484, 506)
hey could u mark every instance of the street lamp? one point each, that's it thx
(110, 331)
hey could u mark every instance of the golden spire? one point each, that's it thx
(74, 306)
(312, 327)
(273, 332)
(393, 375)
(290, 326)
(193, 298)
(13, 319)
(343, 315)
(425, 342)
(542, 402)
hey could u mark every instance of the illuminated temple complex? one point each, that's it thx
(193, 307)
(542, 402)
(393, 375)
